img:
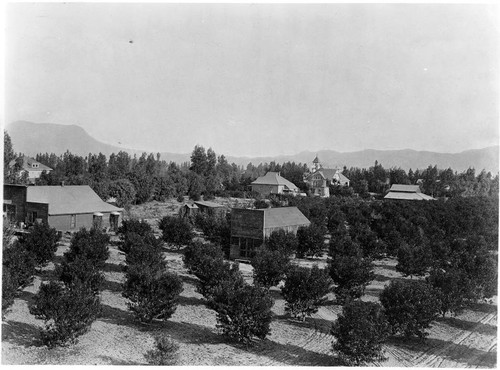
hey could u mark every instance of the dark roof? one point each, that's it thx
(70, 199)
(405, 188)
(284, 216)
(274, 178)
(204, 203)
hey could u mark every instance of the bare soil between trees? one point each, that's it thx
(115, 338)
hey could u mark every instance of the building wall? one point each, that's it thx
(289, 229)
(267, 189)
(42, 210)
(63, 222)
(17, 195)
(247, 223)
(247, 227)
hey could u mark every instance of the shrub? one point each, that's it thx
(165, 353)
(304, 290)
(243, 311)
(80, 272)
(216, 228)
(134, 226)
(176, 230)
(213, 272)
(310, 240)
(269, 266)
(9, 289)
(197, 251)
(360, 331)
(152, 294)
(41, 241)
(282, 241)
(410, 307)
(414, 260)
(453, 288)
(349, 270)
(145, 254)
(89, 244)
(21, 264)
(67, 313)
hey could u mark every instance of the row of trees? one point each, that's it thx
(69, 304)
(140, 179)
(22, 256)
(151, 289)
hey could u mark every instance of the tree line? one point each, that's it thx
(135, 180)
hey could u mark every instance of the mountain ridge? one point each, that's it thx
(32, 138)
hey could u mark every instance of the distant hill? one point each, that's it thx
(32, 138)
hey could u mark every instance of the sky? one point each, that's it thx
(258, 80)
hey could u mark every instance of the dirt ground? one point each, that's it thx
(468, 340)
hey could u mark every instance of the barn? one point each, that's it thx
(65, 208)
(250, 227)
(406, 192)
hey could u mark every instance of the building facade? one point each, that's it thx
(320, 179)
(32, 168)
(250, 227)
(273, 183)
(66, 208)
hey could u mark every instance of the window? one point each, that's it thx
(34, 165)
(72, 222)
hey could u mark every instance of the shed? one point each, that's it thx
(210, 207)
(250, 227)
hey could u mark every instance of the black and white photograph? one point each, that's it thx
(250, 184)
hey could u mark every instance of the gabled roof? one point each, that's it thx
(407, 196)
(204, 203)
(329, 173)
(284, 216)
(69, 199)
(28, 164)
(274, 178)
(192, 206)
(316, 160)
(405, 188)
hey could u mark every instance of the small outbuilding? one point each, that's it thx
(406, 192)
(188, 210)
(250, 227)
(210, 207)
(65, 208)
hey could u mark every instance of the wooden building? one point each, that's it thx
(65, 208)
(250, 227)
(320, 179)
(406, 192)
(188, 210)
(273, 183)
(210, 207)
(31, 167)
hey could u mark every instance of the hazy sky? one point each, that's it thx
(258, 79)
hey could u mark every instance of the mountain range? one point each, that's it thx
(31, 138)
